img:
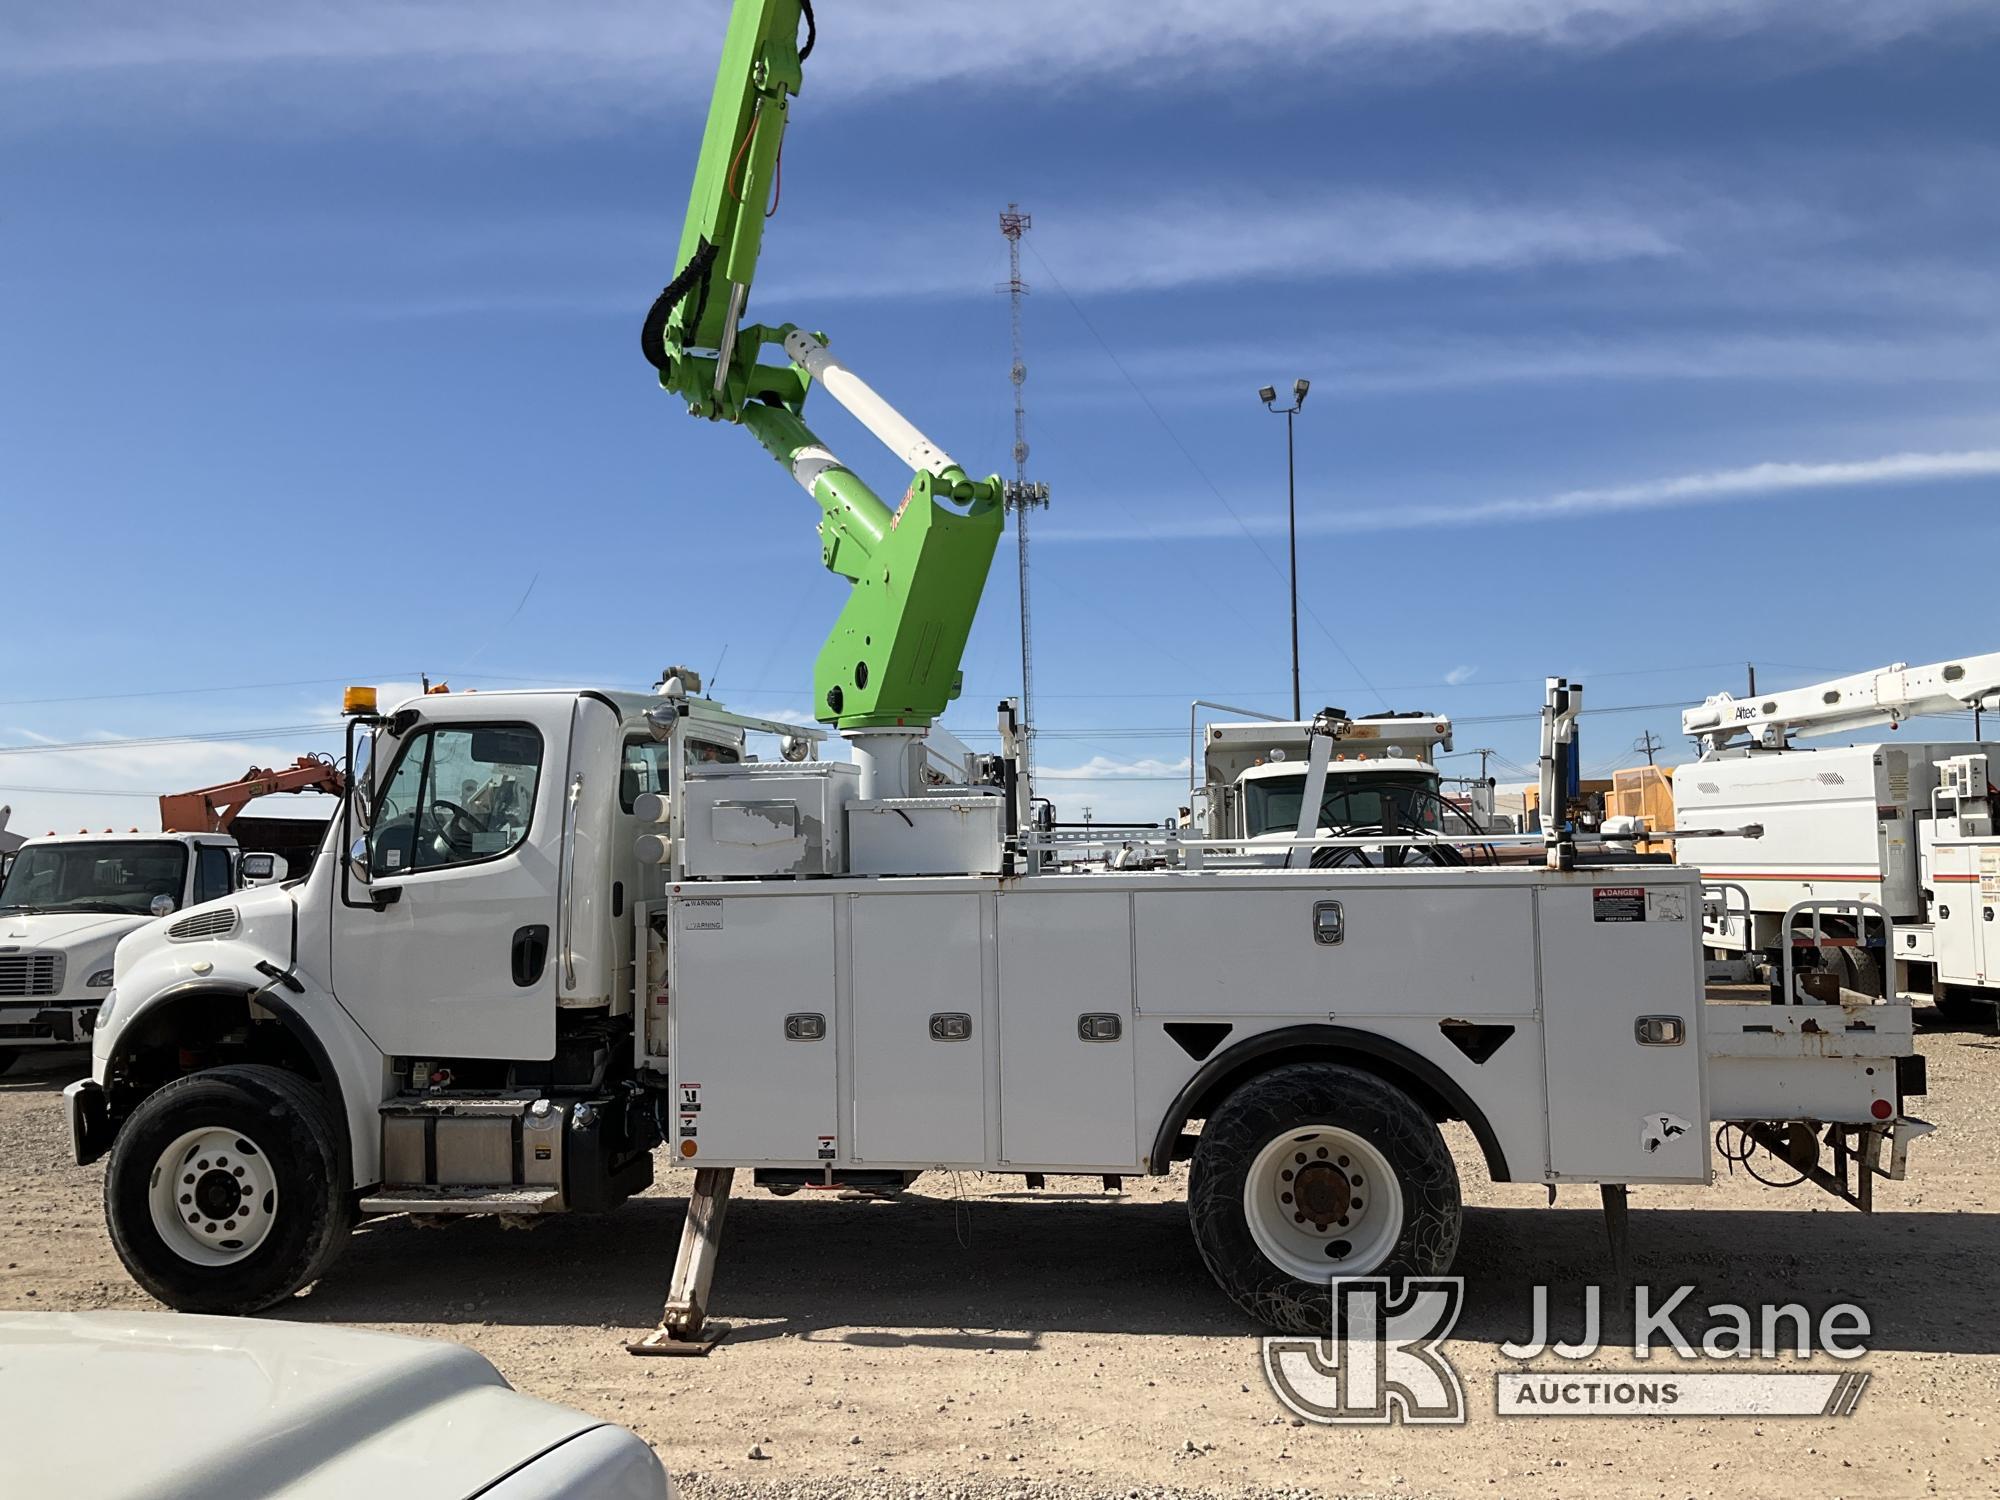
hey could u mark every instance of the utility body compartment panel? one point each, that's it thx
(1048, 1023)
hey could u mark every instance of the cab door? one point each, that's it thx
(451, 948)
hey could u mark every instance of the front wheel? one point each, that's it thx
(1315, 1171)
(224, 1193)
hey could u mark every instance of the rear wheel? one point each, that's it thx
(224, 1193)
(1963, 1007)
(1315, 1171)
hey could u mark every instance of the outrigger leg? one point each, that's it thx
(684, 1325)
(1617, 1232)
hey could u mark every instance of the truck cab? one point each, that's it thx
(67, 901)
(1381, 779)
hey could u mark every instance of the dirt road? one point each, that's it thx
(975, 1339)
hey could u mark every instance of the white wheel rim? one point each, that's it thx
(213, 1196)
(1322, 1203)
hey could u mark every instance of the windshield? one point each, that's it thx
(96, 876)
(1407, 802)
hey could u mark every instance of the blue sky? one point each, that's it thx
(1647, 338)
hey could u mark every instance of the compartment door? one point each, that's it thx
(1066, 1101)
(920, 1030)
(1622, 1108)
(754, 1078)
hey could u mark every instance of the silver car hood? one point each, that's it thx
(119, 1406)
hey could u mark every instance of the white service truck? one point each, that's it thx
(556, 932)
(1890, 848)
(65, 902)
(553, 932)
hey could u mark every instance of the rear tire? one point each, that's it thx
(261, 1206)
(1315, 1170)
(1962, 1007)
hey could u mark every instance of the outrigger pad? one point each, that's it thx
(661, 1342)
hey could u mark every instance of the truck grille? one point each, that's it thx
(30, 975)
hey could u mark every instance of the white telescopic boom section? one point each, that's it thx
(866, 404)
(1887, 695)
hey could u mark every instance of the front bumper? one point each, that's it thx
(90, 1127)
(48, 1023)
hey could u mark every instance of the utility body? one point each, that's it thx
(552, 933)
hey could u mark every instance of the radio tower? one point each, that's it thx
(1021, 496)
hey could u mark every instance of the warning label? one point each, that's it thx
(826, 1151)
(1618, 903)
(701, 916)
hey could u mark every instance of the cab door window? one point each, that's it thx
(211, 873)
(457, 795)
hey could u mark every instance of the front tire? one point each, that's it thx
(1317, 1170)
(225, 1192)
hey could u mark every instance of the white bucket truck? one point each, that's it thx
(1889, 848)
(559, 931)
(576, 927)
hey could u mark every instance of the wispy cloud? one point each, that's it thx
(1224, 235)
(901, 42)
(596, 56)
(1762, 481)
(1390, 363)
(1105, 768)
(1460, 676)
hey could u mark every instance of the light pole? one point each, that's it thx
(1269, 395)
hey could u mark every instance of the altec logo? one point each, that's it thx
(1385, 1362)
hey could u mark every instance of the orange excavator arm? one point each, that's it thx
(211, 809)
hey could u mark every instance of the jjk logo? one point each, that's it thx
(1382, 1363)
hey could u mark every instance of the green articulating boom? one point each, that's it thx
(893, 657)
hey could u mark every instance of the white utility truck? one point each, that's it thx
(553, 932)
(576, 926)
(1890, 848)
(67, 900)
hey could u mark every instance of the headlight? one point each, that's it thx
(104, 1010)
(101, 980)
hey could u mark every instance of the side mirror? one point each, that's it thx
(162, 906)
(261, 869)
(361, 797)
(357, 861)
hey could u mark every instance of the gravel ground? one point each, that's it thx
(977, 1340)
